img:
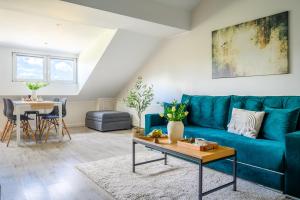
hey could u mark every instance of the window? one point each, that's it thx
(28, 67)
(62, 70)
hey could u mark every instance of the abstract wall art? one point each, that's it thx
(257, 47)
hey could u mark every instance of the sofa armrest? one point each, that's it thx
(292, 172)
(153, 120)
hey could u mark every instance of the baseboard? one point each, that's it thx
(75, 125)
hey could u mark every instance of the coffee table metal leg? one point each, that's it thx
(234, 171)
(133, 157)
(166, 162)
(200, 180)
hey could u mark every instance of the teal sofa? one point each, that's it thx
(272, 163)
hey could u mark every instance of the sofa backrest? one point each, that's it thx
(207, 111)
(260, 102)
(215, 111)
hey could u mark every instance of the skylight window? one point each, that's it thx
(62, 69)
(28, 67)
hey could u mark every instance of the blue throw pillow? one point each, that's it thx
(279, 122)
(168, 105)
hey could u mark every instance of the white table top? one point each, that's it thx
(20, 102)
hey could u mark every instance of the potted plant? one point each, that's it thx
(33, 87)
(175, 113)
(139, 98)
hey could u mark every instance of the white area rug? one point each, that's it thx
(177, 180)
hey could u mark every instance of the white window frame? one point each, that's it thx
(15, 55)
(46, 68)
(62, 58)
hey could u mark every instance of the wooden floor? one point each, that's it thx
(48, 171)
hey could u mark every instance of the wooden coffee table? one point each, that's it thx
(200, 158)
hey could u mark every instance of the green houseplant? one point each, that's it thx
(139, 98)
(33, 87)
(175, 113)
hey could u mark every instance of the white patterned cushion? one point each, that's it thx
(245, 122)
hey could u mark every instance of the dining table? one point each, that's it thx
(42, 106)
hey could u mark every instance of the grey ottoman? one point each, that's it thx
(107, 120)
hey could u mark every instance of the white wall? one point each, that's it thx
(90, 56)
(106, 104)
(76, 111)
(183, 64)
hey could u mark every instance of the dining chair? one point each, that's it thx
(36, 114)
(25, 125)
(50, 120)
(7, 121)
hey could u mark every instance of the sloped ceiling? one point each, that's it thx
(44, 33)
(125, 54)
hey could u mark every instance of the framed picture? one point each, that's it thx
(257, 47)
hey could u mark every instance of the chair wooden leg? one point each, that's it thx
(5, 129)
(65, 127)
(62, 132)
(54, 121)
(47, 133)
(37, 128)
(10, 130)
(36, 122)
(42, 128)
(36, 133)
(26, 130)
(6, 132)
(33, 133)
(39, 122)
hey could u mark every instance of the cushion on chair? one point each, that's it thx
(49, 116)
(32, 112)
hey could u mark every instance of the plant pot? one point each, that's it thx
(175, 131)
(136, 132)
(34, 96)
